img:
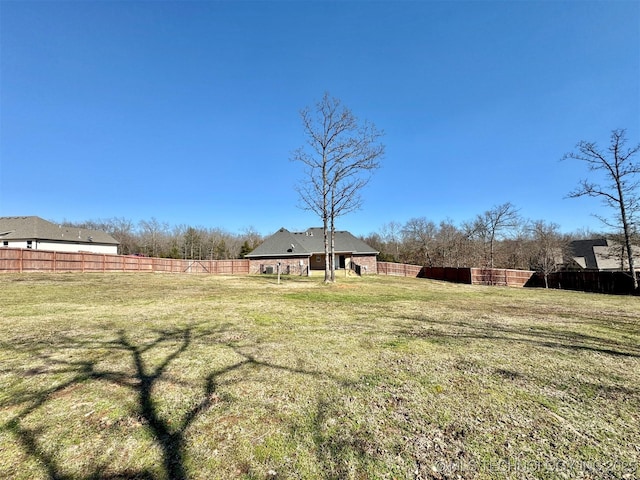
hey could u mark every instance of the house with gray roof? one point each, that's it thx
(600, 254)
(38, 234)
(302, 252)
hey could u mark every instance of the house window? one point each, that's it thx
(29, 244)
(5, 243)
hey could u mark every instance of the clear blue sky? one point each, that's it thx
(188, 111)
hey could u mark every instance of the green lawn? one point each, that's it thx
(158, 376)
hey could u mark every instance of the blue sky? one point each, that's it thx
(188, 111)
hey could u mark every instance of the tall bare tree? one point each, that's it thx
(419, 237)
(548, 248)
(391, 234)
(340, 156)
(619, 187)
(153, 234)
(493, 224)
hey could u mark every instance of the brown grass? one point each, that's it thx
(149, 376)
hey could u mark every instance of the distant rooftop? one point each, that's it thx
(36, 228)
(284, 243)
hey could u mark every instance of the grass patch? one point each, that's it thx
(187, 377)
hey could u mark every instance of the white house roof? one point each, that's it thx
(284, 243)
(36, 228)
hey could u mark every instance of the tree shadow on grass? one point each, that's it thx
(83, 360)
(170, 437)
(451, 330)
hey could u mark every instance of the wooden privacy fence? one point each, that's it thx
(399, 269)
(618, 283)
(471, 276)
(17, 260)
(500, 276)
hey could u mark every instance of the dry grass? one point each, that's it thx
(198, 377)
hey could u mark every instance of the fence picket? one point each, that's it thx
(19, 260)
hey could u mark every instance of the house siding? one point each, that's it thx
(369, 263)
(35, 233)
(292, 266)
(302, 252)
(61, 246)
(300, 265)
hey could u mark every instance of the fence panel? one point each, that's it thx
(62, 262)
(478, 276)
(17, 260)
(10, 260)
(398, 269)
(617, 283)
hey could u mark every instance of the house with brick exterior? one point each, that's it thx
(38, 234)
(300, 253)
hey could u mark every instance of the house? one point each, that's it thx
(38, 234)
(600, 254)
(302, 252)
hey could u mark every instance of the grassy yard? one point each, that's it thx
(123, 376)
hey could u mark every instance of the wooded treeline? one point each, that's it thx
(153, 238)
(498, 237)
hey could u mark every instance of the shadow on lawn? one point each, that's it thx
(170, 439)
(544, 337)
(142, 381)
(168, 435)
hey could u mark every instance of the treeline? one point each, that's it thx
(153, 238)
(498, 238)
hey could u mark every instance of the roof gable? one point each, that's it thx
(281, 243)
(582, 251)
(284, 243)
(36, 228)
(601, 254)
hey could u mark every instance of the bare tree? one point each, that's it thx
(391, 235)
(340, 156)
(548, 248)
(619, 188)
(493, 225)
(419, 236)
(450, 244)
(512, 252)
(153, 234)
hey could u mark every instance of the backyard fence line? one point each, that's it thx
(471, 276)
(19, 260)
(616, 283)
(399, 269)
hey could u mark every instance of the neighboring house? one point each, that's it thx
(38, 234)
(301, 252)
(600, 254)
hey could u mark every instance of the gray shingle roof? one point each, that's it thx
(284, 243)
(36, 228)
(600, 254)
(582, 252)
